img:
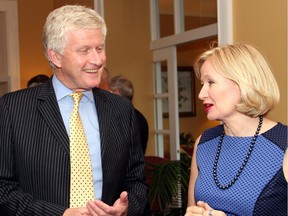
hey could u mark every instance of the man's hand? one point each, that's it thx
(119, 208)
(77, 212)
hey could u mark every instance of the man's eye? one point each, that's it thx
(85, 51)
(99, 49)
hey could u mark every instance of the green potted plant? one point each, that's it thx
(168, 185)
(187, 142)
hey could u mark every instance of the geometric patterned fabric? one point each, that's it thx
(81, 182)
(261, 189)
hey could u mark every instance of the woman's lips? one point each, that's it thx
(207, 106)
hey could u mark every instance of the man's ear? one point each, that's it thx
(116, 91)
(54, 57)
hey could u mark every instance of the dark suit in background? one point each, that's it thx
(122, 86)
(143, 129)
(34, 153)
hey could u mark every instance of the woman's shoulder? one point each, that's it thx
(278, 135)
(279, 124)
(211, 133)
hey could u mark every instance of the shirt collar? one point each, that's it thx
(62, 91)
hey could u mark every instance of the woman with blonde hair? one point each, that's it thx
(237, 166)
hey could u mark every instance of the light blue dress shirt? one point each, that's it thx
(89, 117)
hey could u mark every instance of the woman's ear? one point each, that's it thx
(55, 58)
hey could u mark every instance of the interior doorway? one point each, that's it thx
(181, 29)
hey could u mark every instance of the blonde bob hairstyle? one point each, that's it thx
(246, 66)
(68, 18)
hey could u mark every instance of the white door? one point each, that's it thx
(166, 101)
(215, 20)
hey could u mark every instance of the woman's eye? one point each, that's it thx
(210, 82)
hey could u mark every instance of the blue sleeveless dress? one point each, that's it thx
(261, 188)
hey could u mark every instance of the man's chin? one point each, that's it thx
(93, 85)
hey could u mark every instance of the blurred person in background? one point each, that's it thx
(122, 86)
(105, 80)
(37, 80)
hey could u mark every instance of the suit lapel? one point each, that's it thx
(49, 109)
(104, 116)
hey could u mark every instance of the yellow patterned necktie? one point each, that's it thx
(81, 185)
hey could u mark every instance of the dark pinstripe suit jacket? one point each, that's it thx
(34, 153)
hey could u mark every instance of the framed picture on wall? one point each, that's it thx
(186, 91)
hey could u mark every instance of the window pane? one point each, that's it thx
(162, 114)
(161, 96)
(199, 13)
(166, 18)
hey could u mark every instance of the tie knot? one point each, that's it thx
(76, 96)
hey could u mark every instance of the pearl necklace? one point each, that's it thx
(244, 161)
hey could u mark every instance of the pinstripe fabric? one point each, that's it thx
(34, 153)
